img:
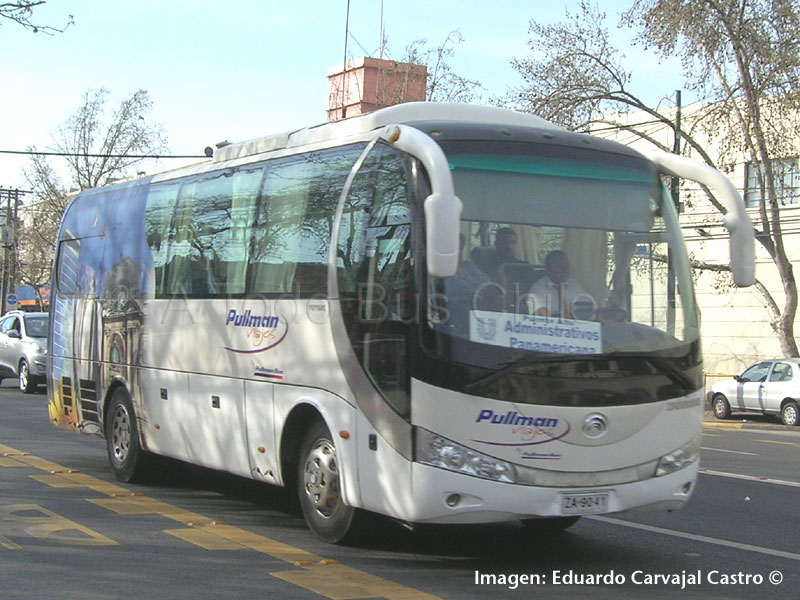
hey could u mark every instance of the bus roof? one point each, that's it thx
(402, 113)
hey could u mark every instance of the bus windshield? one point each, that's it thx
(566, 253)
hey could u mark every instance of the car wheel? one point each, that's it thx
(129, 461)
(549, 524)
(27, 384)
(319, 488)
(720, 406)
(790, 414)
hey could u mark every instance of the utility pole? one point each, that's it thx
(9, 240)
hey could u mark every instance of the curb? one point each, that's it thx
(742, 423)
(714, 425)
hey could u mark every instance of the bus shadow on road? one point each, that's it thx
(508, 544)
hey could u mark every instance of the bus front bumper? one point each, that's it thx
(441, 496)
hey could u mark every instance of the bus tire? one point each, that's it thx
(318, 485)
(721, 407)
(128, 459)
(549, 524)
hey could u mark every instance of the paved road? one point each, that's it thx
(69, 530)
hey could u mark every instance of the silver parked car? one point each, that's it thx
(770, 387)
(23, 348)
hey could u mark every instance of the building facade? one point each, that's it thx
(735, 322)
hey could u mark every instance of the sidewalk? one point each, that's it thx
(747, 421)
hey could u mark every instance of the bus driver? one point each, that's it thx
(556, 294)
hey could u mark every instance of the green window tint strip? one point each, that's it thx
(554, 167)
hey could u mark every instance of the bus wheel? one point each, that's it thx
(721, 407)
(549, 524)
(328, 517)
(128, 460)
(790, 414)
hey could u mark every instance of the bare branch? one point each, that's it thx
(21, 12)
(443, 84)
(742, 55)
(96, 151)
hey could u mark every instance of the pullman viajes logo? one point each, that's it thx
(513, 428)
(255, 333)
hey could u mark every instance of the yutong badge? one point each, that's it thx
(595, 426)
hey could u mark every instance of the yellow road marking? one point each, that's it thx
(265, 545)
(130, 504)
(322, 576)
(56, 481)
(42, 523)
(123, 506)
(778, 442)
(339, 582)
(8, 544)
(205, 539)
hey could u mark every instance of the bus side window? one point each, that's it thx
(158, 223)
(67, 271)
(198, 231)
(201, 222)
(79, 267)
(376, 273)
(325, 186)
(278, 225)
(292, 233)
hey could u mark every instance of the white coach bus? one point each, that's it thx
(358, 311)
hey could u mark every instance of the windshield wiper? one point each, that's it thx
(663, 365)
(513, 364)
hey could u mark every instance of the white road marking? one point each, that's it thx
(729, 451)
(751, 478)
(699, 538)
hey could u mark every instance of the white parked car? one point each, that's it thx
(23, 348)
(770, 387)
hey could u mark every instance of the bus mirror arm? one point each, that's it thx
(442, 207)
(737, 221)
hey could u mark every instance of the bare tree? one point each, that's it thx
(96, 151)
(443, 84)
(36, 235)
(99, 150)
(742, 56)
(21, 12)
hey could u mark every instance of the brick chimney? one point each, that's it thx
(366, 84)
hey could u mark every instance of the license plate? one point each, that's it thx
(584, 504)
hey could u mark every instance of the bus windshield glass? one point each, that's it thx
(565, 252)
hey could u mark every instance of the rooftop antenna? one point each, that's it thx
(344, 62)
(381, 32)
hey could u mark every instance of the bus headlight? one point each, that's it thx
(438, 451)
(680, 458)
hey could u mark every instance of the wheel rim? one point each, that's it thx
(719, 407)
(120, 434)
(790, 415)
(23, 376)
(321, 478)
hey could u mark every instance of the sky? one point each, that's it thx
(239, 69)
